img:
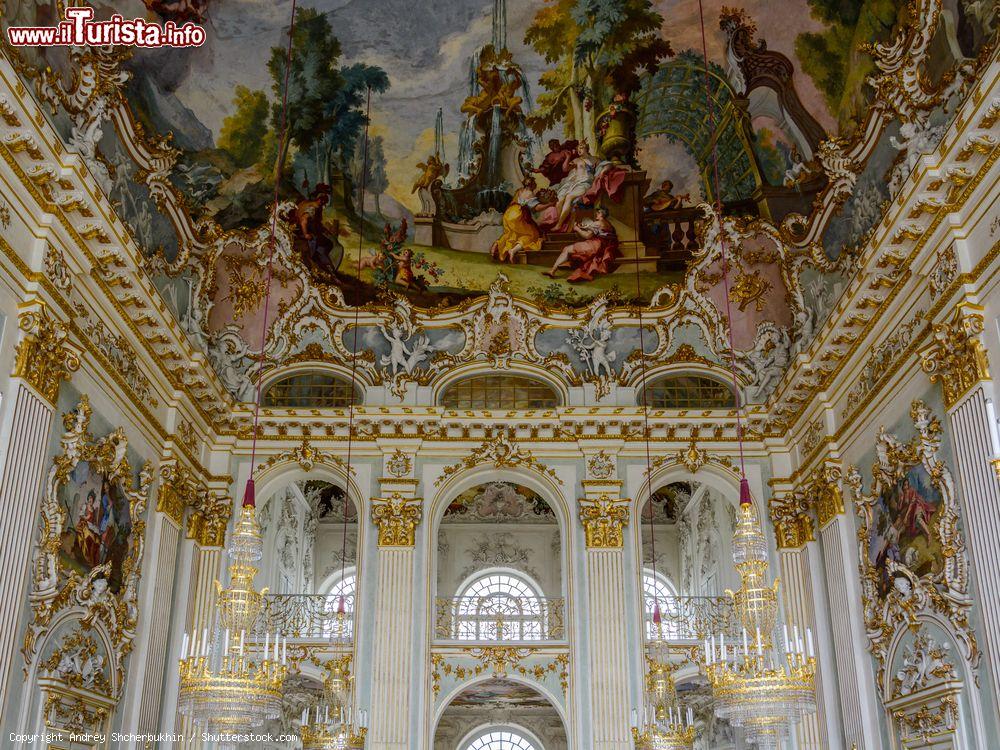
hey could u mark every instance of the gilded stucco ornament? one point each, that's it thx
(793, 526)
(397, 518)
(176, 485)
(957, 358)
(55, 586)
(43, 358)
(601, 466)
(501, 661)
(502, 452)
(825, 493)
(399, 464)
(943, 586)
(603, 521)
(307, 456)
(209, 519)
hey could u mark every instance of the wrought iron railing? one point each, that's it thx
(500, 618)
(312, 616)
(685, 618)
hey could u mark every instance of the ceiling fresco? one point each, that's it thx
(464, 169)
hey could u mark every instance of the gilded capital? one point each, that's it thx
(42, 358)
(827, 495)
(397, 518)
(957, 357)
(176, 483)
(793, 526)
(603, 520)
(209, 519)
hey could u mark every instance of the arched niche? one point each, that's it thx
(685, 527)
(475, 706)
(75, 680)
(310, 524)
(926, 676)
(499, 518)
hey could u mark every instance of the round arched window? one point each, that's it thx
(310, 390)
(688, 392)
(499, 392)
(500, 739)
(656, 589)
(499, 607)
(335, 626)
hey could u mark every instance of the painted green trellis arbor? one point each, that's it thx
(672, 103)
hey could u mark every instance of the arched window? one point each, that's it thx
(500, 739)
(689, 392)
(499, 392)
(500, 607)
(657, 589)
(336, 627)
(310, 390)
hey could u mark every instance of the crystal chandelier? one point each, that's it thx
(323, 729)
(225, 687)
(760, 682)
(666, 725)
(336, 725)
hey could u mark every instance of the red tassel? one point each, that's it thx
(250, 495)
(341, 609)
(657, 615)
(745, 497)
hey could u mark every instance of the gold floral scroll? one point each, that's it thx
(957, 357)
(603, 520)
(43, 359)
(397, 518)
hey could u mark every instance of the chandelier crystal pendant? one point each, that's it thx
(228, 686)
(666, 725)
(760, 681)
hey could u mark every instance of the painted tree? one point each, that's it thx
(242, 131)
(834, 57)
(369, 172)
(598, 49)
(325, 102)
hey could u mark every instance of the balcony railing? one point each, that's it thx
(307, 616)
(689, 618)
(500, 618)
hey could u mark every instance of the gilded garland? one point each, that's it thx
(911, 550)
(89, 556)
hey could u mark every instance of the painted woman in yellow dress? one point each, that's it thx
(520, 233)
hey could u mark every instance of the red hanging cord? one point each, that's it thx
(354, 345)
(249, 495)
(745, 497)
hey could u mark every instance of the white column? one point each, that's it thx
(43, 361)
(958, 360)
(149, 663)
(796, 584)
(980, 501)
(859, 703)
(395, 608)
(603, 518)
(206, 569)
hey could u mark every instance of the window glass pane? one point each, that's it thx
(500, 740)
(689, 392)
(314, 390)
(499, 392)
(500, 607)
